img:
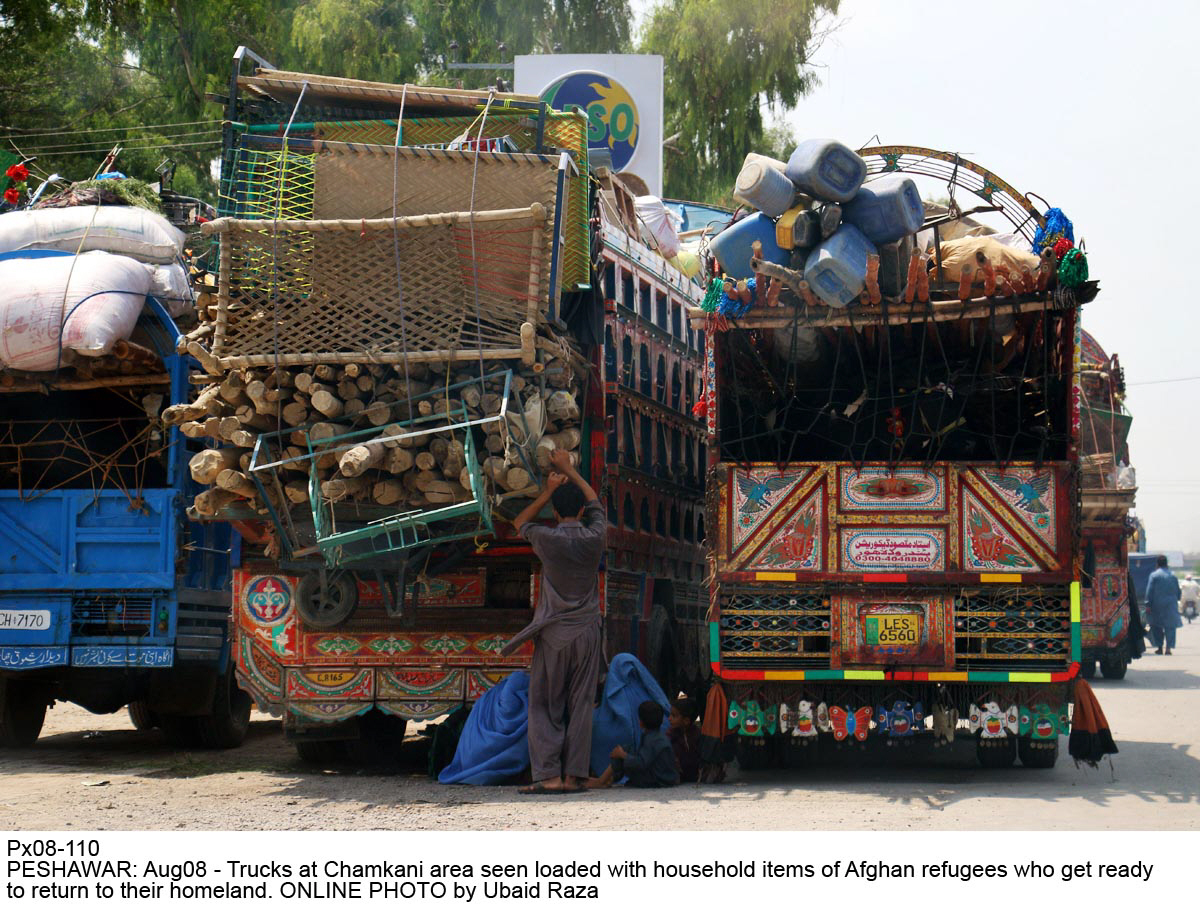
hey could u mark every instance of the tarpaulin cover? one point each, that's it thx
(627, 686)
(494, 746)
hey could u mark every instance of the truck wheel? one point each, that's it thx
(22, 714)
(225, 727)
(180, 731)
(143, 717)
(324, 606)
(1037, 754)
(996, 752)
(1087, 668)
(1113, 666)
(320, 752)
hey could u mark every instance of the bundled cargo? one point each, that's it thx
(126, 230)
(837, 228)
(83, 304)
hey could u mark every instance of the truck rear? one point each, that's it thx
(109, 597)
(895, 495)
(423, 293)
(1110, 620)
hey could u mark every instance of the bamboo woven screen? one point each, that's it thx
(250, 185)
(430, 287)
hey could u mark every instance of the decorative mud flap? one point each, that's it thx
(804, 721)
(850, 723)
(901, 722)
(991, 722)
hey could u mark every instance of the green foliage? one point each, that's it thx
(725, 61)
(93, 71)
(375, 40)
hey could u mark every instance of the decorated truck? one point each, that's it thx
(422, 293)
(109, 596)
(893, 495)
(1110, 619)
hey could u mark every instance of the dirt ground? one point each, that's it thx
(97, 772)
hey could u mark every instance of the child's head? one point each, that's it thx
(650, 714)
(683, 712)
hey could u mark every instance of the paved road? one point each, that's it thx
(96, 772)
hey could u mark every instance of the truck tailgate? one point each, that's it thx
(87, 540)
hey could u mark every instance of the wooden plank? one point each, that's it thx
(942, 311)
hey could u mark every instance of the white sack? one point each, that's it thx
(171, 286)
(35, 299)
(128, 230)
(658, 224)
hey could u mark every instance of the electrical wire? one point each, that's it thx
(20, 134)
(109, 143)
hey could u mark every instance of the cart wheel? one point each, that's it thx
(325, 600)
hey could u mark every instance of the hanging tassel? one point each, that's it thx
(1073, 270)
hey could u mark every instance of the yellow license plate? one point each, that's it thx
(884, 630)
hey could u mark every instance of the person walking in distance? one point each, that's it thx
(566, 630)
(1162, 607)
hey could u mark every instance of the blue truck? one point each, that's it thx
(109, 596)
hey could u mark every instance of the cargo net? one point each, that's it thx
(1012, 628)
(342, 532)
(252, 178)
(59, 450)
(780, 630)
(441, 287)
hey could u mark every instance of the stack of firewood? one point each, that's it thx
(390, 467)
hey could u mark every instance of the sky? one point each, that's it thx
(1090, 106)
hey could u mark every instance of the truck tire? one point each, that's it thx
(1087, 668)
(225, 726)
(324, 606)
(143, 717)
(180, 731)
(1114, 664)
(996, 753)
(22, 714)
(1037, 754)
(320, 752)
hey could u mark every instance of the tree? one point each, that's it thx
(724, 61)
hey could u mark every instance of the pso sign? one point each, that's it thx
(612, 115)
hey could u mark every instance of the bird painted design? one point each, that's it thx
(796, 545)
(757, 492)
(1030, 492)
(990, 721)
(901, 720)
(990, 545)
(1043, 722)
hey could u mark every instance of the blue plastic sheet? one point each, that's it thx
(494, 746)
(627, 686)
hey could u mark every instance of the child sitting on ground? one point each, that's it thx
(684, 735)
(651, 765)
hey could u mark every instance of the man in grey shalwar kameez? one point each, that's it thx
(566, 630)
